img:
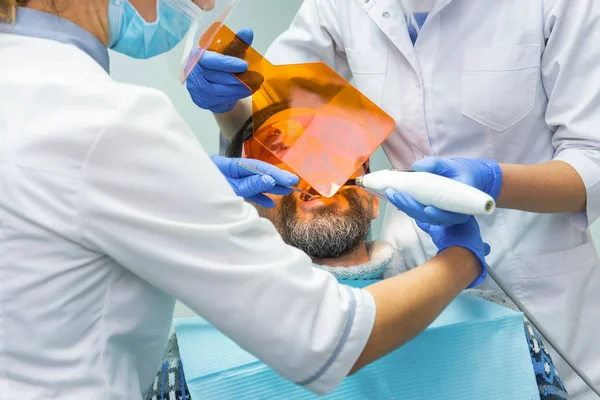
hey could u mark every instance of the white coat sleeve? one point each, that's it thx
(152, 200)
(313, 36)
(571, 78)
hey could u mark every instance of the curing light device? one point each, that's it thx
(430, 190)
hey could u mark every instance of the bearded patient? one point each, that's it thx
(333, 232)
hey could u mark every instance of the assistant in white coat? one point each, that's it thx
(110, 209)
(516, 81)
(92, 258)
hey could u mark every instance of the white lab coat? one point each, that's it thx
(109, 209)
(517, 81)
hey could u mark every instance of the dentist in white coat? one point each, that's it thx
(110, 209)
(513, 88)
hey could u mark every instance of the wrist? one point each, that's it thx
(472, 262)
(494, 183)
(462, 265)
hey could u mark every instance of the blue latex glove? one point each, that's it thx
(211, 83)
(250, 186)
(465, 235)
(484, 175)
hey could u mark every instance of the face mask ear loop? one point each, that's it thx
(115, 20)
(158, 3)
(187, 7)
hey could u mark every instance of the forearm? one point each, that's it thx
(230, 122)
(551, 187)
(408, 303)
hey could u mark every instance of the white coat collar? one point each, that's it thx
(389, 16)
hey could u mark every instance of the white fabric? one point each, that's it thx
(516, 81)
(416, 12)
(381, 255)
(416, 6)
(109, 209)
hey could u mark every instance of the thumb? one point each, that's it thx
(253, 185)
(246, 34)
(429, 164)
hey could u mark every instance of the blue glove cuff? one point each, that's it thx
(481, 277)
(495, 181)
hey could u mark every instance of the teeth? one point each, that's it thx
(308, 198)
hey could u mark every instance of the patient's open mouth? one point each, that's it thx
(308, 197)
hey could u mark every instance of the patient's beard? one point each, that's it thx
(328, 232)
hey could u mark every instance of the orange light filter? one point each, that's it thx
(306, 118)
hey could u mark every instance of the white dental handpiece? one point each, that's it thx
(431, 190)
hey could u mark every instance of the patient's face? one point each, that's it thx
(324, 228)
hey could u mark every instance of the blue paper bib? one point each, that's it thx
(474, 350)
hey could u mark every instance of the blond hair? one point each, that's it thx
(8, 9)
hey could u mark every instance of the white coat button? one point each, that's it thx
(385, 14)
(365, 1)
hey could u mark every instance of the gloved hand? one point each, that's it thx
(211, 83)
(465, 235)
(484, 175)
(251, 186)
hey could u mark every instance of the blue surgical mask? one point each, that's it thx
(131, 35)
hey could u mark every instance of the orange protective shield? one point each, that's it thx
(306, 118)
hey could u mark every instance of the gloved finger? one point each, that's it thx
(262, 201)
(279, 190)
(280, 176)
(224, 78)
(445, 218)
(425, 227)
(229, 92)
(486, 249)
(253, 185)
(219, 62)
(246, 34)
(430, 164)
(431, 230)
(408, 205)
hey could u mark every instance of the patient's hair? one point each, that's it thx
(330, 232)
(246, 131)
